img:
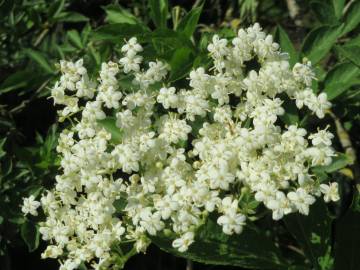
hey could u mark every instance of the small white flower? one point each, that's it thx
(218, 46)
(183, 243)
(132, 45)
(52, 252)
(301, 200)
(322, 105)
(174, 130)
(280, 205)
(167, 97)
(232, 222)
(30, 205)
(322, 137)
(331, 192)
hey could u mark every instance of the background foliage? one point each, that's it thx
(35, 34)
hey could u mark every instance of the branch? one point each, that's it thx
(189, 265)
(41, 36)
(346, 144)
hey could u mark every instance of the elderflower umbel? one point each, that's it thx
(175, 155)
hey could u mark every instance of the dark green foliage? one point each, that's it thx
(313, 233)
(347, 238)
(212, 246)
(30, 234)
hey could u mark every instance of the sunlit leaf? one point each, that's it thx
(338, 7)
(75, 38)
(324, 11)
(319, 42)
(181, 63)
(340, 78)
(159, 12)
(117, 14)
(286, 45)
(351, 53)
(351, 18)
(119, 31)
(109, 124)
(71, 16)
(188, 24)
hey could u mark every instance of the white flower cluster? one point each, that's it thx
(183, 153)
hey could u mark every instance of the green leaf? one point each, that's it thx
(188, 24)
(119, 31)
(291, 116)
(71, 16)
(286, 45)
(339, 79)
(338, 6)
(6, 7)
(18, 219)
(85, 33)
(109, 124)
(204, 41)
(82, 266)
(247, 202)
(51, 140)
(46, 149)
(312, 232)
(181, 63)
(40, 59)
(212, 246)
(75, 39)
(2, 151)
(6, 167)
(30, 234)
(36, 191)
(338, 162)
(56, 8)
(15, 81)
(126, 83)
(116, 14)
(351, 53)
(324, 12)
(159, 12)
(319, 42)
(166, 41)
(351, 18)
(226, 32)
(95, 56)
(121, 203)
(202, 60)
(347, 238)
(354, 41)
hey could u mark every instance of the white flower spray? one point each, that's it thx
(170, 173)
